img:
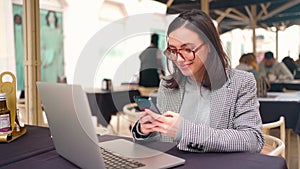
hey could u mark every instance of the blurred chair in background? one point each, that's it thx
(273, 145)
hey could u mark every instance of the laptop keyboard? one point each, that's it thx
(115, 161)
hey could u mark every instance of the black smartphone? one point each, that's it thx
(144, 102)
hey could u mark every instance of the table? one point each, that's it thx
(50, 159)
(281, 85)
(278, 104)
(35, 141)
(104, 103)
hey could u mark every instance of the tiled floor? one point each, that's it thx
(124, 131)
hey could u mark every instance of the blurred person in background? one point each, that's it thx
(274, 70)
(297, 62)
(151, 64)
(248, 63)
(52, 49)
(290, 64)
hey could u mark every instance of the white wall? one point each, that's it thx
(7, 54)
(289, 43)
(81, 22)
(80, 27)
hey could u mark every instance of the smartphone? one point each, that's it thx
(144, 102)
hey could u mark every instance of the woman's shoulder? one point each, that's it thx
(243, 66)
(239, 74)
(167, 81)
(237, 79)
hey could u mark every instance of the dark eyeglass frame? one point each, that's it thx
(181, 55)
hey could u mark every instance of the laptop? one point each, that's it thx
(75, 139)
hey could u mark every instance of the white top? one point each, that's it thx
(195, 105)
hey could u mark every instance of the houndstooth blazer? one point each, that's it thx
(235, 122)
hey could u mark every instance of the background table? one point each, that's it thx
(281, 104)
(104, 104)
(40, 138)
(280, 86)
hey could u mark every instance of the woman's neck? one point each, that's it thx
(198, 76)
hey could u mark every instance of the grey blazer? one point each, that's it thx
(235, 122)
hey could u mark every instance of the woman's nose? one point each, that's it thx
(180, 58)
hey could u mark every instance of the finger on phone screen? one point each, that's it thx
(152, 114)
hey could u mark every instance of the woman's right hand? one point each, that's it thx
(146, 118)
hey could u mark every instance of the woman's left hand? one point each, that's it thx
(167, 123)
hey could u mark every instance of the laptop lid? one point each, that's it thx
(74, 136)
(69, 120)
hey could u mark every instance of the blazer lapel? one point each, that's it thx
(221, 101)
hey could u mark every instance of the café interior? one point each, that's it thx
(96, 45)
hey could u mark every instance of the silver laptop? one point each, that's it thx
(74, 136)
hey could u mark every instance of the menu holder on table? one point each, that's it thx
(8, 86)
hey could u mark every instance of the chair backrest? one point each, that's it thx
(273, 146)
(281, 124)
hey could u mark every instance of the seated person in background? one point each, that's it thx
(206, 105)
(297, 62)
(290, 64)
(248, 63)
(274, 70)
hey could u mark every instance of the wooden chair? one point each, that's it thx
(129, 113)
(273, 146)
(298, 145)
(269, 140)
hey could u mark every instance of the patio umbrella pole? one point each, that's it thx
(276, 42)
(205, 6)
(253, 19)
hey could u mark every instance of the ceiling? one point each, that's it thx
(231, 14)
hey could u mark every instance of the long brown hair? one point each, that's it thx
(217, 61)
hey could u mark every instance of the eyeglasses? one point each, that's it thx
(185, 53)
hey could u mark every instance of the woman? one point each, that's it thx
(248, 63)
(19, 51)
(52, 49)
(206, 105)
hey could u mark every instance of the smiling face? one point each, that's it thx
(183, 38)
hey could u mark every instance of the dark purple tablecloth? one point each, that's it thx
(35, 141)
(49, 159)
